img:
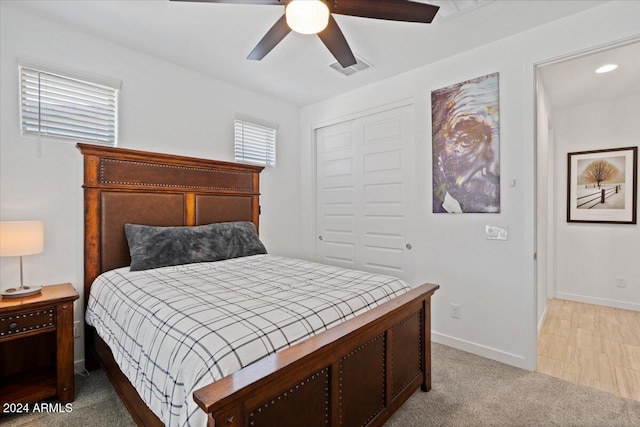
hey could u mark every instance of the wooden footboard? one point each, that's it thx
(355, 374)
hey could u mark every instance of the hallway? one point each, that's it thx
(592, 345)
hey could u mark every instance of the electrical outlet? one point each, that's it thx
(621, 282)
(455, 311)
(76, 329)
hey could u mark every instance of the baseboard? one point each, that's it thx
(598, 301)
(482, 350)
(544, 314)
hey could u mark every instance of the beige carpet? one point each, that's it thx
(468, 390)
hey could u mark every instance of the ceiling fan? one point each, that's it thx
(314, 17)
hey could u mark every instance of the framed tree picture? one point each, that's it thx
(602, 186)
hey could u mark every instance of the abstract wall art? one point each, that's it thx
(466, 146)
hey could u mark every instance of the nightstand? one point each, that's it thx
(36, 346)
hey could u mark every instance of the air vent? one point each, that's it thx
(360, 65)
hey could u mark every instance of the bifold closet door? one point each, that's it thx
(364, 192)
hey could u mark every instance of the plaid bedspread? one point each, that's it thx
(175, 329)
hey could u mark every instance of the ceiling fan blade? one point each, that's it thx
(393, 10)
(274, 36)
(335, 41)
(280, 2)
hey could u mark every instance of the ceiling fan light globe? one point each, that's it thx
(307, 16)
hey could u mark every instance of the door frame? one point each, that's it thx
(551, 288)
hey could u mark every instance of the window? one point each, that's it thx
(255, 143)
(53, 105)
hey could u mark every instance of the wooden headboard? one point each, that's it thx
(129, 186)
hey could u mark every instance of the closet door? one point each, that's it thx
(364, 188)
(337, 201)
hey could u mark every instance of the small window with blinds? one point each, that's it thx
(62, 107)
(255, 143)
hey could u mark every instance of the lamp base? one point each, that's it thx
(21, 292)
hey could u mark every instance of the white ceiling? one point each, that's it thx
(215, 39)
(574, 81)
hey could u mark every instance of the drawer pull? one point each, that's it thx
(13, 325)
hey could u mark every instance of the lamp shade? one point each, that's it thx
(307, 16)
(19, 238)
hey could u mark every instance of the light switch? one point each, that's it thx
(497, 232)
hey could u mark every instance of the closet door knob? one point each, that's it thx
(408, 246)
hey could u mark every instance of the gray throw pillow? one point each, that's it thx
(154, 247)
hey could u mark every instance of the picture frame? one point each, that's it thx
(465, 143)
(602, 186)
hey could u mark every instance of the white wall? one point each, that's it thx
(163, 107)
(544, 258)
(492, 281)
(591, 256)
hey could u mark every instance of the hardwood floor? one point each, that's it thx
(592, 345)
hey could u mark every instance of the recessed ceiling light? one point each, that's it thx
(606, 68)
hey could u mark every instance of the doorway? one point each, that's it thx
(587, 324)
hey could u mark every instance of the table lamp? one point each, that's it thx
(19, 238)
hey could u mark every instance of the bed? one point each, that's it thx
(355, 373)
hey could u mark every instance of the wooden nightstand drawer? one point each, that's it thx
(28, 321)
(36, 346)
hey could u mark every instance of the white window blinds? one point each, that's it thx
(255, 144)
(55, 106)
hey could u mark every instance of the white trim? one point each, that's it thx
(544, 316)
(481, 350)
(588, 51)
(363, 113)
(598, 301)
(536, 219)
(255, 121)
(65, 71)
